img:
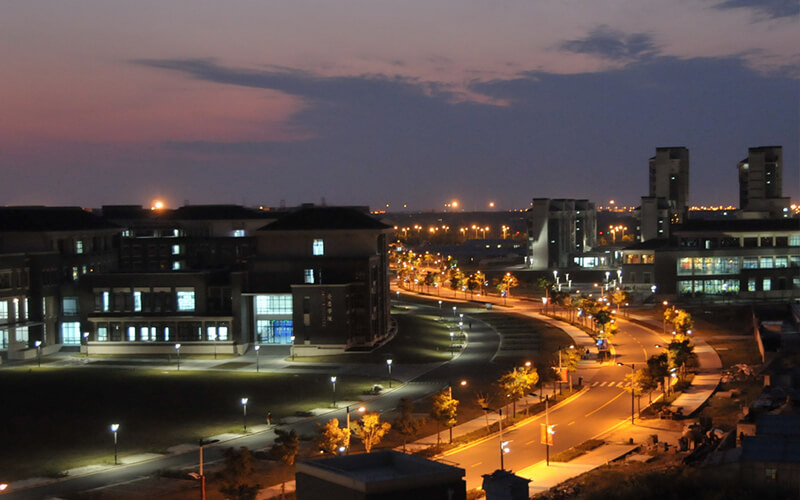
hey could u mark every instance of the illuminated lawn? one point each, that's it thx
(54, 419)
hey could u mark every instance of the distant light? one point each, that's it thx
(157, 205)
(611, 202)
(454, 203)
(491, 204)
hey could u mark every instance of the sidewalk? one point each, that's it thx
(704, 383)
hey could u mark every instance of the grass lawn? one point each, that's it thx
(55, 419)
(420, 338)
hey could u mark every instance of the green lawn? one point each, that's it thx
(54, 419)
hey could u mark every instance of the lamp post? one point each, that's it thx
(114, 430)
(257, 348)
(454, 313)
(292, 348)
(548, 431)
(333, 385)
(244, 414)
(633, 370)
(452, 334)
(178, 351)
(389, 366)
(503, 444)
(38, 345)
(86, 343)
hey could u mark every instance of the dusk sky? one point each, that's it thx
(375, 102)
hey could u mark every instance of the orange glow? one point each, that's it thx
(157, 205)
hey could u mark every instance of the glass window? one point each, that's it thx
(22, 334)
(106, 301)
(3, 338)
(70, 306)
(166, 334)
(726, 265)
(102, 334)
(308, 276)
(765, 262)
(766, 284)
(751, 285)
(238, 233)
(3, 310)
(131, 333)
(684, 286)
(176, 266)
(794, 261)
(749, 263)
(137, 301)
(144, 333)
(794, 240)
(685, 266)
(278, 331)
(185, 299)
(222, 332)
(703, 265)
(318, 247)
(78, 246)
(211, 333)
(781, 262)
(176, 249)
(273, 304)
(71, 333)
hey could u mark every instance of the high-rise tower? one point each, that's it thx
(761, 181)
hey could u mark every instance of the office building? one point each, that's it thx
(761, 183)
(558, 230)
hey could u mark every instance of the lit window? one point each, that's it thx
(102, 334)
(176, 249)
(766, 285)
(185, 300)
(106, 302)
(137, 301)
(70, 306)
(22, 334)
(238, 233)
(309, 276)
(222, 333)
(3, 310)
(176, 266)
(781, 262)
(79, 246)
(318, 247)
(71, 333)
(132, 333)
(751, 285)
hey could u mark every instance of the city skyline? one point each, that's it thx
(414, 104)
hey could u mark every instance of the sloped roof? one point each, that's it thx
(38, 218)
(326, 218)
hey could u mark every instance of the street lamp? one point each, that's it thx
(292, 348)
(244, 414)
(38, 345)
(257, 348)
(389, 366)
(86, 343)
(633, 370)
(452, 334)
(454, 313)
(333, 384)
(503, 444)
(548, 431)
(178, 351)
(114, 430)
(664, 316)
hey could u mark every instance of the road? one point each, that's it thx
(600, 407)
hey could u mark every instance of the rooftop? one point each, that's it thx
(326, 218)
(40, 218)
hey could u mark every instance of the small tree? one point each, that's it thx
(679, 353)
(658, 370)
(332, 437)
(518, 382)
(569, 360)
(406, 424)
(285, 450)
(636, 382)
(371, 430)
(234, 476)
(444, 410)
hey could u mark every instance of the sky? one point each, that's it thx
(376, 102)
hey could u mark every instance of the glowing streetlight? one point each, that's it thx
(38, 345)
(503, 444)
(257, 348)
(333, 384)
(389, 366)
(633, 370)
(178, 351)
(114, 430)
(292, 348)
(86, 343)
(244, 414)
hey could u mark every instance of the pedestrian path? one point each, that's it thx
(704, 383)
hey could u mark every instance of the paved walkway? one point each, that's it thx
(704, 383)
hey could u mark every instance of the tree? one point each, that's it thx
(658, 369)
(285, 450)
(637, 382)
(569, 360)
(518, 382)
(332, 437)
(406, 424)
(481, 279)
(444, 410)
(620, 297)
(679, 353)
(234, 476)
(371, 430)
(505, 284)
(482, 399)
(682, 322)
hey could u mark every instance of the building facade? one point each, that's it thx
(761, 182)
(559, 229)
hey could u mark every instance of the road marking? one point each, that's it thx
(603, 384)
(605, 404)
(530, 442)
(595, 384)
(476, 464)
(571, 423)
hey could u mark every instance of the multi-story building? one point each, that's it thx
(669, 179)
(212, 278)
(747, 259)
(761, 183)
(559, 229)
